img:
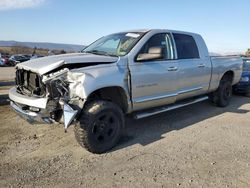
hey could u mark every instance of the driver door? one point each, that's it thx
(155, 81)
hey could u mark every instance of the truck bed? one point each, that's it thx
(222, 64)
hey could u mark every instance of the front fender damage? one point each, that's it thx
(76, 83)
(66, 88)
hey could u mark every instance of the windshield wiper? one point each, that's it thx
(97, 52)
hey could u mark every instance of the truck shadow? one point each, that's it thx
(151, 129)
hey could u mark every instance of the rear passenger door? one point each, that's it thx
(194, 71)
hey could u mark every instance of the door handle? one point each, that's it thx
(172, 68)
(201, 65)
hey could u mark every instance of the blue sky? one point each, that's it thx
(224, 24)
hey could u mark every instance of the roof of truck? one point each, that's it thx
(158, 30)
(138, 30)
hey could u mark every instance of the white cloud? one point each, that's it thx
(19, 4)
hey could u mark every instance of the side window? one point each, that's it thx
(186, 46)
(161, 40)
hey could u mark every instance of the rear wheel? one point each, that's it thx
(222, 96)
(100, 126)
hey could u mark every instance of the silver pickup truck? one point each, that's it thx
(142, 72)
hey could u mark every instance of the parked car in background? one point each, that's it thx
(36, 56)
(1, 62)
(243, 86)
(15, 59)
(27, 56)
(4, 58)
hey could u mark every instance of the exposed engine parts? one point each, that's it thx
(62, 106)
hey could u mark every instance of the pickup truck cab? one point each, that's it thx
(142, 72)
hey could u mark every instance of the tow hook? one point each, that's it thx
(68, 115)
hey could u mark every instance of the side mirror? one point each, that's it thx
(153, 54)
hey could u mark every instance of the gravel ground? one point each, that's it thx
(196, 146)
(7, 73)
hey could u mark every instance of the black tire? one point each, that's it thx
(222, 96)
(100, 126)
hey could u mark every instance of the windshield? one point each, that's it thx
(118, 44)
(246, 65)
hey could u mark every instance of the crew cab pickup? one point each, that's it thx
(141, 72)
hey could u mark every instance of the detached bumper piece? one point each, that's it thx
(68, 115)
(31, 117)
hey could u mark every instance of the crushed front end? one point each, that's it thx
(44, 98)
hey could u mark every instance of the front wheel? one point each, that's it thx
(222, 96)
(100, 126)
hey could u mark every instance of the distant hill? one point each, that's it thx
(44, 45)
(225, 54)
(214, 54)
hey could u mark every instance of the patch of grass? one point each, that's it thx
(22, 50)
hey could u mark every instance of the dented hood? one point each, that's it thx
(47, 64)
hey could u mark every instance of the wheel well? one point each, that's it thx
(115, 94)
(229, 75)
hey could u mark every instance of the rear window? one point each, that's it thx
(186, 46)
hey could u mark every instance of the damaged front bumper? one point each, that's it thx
(31, 117)
(34, 109)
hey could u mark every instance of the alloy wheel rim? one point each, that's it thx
(227, 93)
(105, 127)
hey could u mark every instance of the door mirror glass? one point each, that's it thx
(154, 53)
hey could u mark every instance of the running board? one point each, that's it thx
(148, 113)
